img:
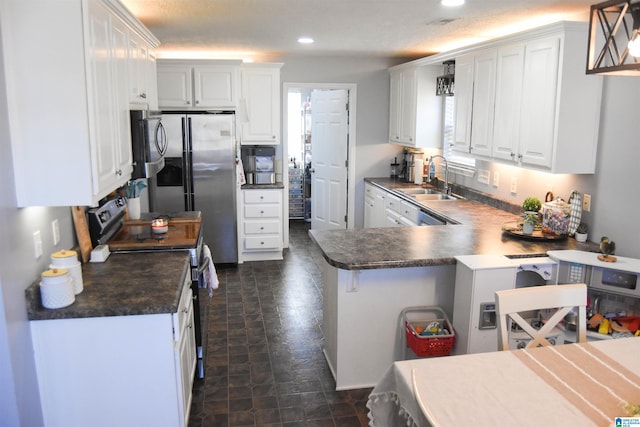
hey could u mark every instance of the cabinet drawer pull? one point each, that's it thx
(188, 102)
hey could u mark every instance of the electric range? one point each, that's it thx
(108, 225)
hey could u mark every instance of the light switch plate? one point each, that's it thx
(37, 244)
(483, 176)
(514, 185)
(55, 230)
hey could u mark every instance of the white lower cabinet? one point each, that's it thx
(374, 215)
(117, 371)
(261, 230)
(383, 209)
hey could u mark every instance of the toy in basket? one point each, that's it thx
(428, 331)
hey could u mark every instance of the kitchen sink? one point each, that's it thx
(425, 194)
(433, 196)
(412, 191)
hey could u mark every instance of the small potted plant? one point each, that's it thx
(531, 206)
(581, 233)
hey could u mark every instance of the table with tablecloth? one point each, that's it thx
(588, 384)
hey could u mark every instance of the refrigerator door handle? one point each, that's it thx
(190, 196)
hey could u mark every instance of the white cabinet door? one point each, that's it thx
(142, 74)
(484, 86)
(174, 86)
(103, 110)
(374, 209)
(538, 117)
(260, 95)
(395, 105)
(463, 98)
(506, 124)
(215, 86)
(120, 61)
(407, 114)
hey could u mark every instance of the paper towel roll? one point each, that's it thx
(417, 171)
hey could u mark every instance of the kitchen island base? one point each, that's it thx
(362, 329)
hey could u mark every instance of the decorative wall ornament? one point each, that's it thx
(614, 39)
(445, 83)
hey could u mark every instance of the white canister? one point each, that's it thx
(56, 288)
(69, 260)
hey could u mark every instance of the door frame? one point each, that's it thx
(351, 89)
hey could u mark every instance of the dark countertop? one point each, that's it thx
(277, 185)
(479, 232)
(124, 285)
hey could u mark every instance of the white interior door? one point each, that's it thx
(329, 164)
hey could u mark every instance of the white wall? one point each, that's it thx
(19, 397)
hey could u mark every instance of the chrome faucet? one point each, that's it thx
(446, 188)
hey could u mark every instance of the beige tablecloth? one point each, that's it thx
(570, 385)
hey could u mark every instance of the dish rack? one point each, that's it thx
(416, 319)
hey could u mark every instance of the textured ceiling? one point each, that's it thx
(263, 29)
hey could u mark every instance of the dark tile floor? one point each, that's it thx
(265, 365)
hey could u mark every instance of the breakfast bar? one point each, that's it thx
(370, 275)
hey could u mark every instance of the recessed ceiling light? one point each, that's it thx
(305, 40)
(451, 3)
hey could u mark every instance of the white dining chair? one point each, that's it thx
(511, 302)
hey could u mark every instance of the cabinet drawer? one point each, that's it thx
(263, 242)
(262, 227)
(262, 211)
(181, 317)
(261, 196)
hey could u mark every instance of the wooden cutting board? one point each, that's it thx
(82, 232)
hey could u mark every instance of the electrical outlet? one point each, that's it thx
(496, 179)
(55, 229)
(514, 185)
(586, 203)
(37, 244)
(483, 176)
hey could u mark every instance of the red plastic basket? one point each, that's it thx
(427, 345)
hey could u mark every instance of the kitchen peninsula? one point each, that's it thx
(370, 275)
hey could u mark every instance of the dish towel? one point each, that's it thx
(240, 178)
(575, 201)
(209, 276)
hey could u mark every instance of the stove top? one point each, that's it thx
(138, 235)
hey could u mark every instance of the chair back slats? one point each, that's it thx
(564, 298)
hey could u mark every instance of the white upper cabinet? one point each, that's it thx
(414, 107)
(260, 95)
(463, 98)
(508, 101)
(175, 85)
(197, 84)
(484, 87)
(532, 104)
(215, 86)
(68, 108)
(142, 74)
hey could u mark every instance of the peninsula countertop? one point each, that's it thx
(124, 285)
(479, 232)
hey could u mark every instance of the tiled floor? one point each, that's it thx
(265, 365)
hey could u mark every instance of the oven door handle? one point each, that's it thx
(204, 266)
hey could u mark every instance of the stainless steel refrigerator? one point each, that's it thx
(199, 174)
